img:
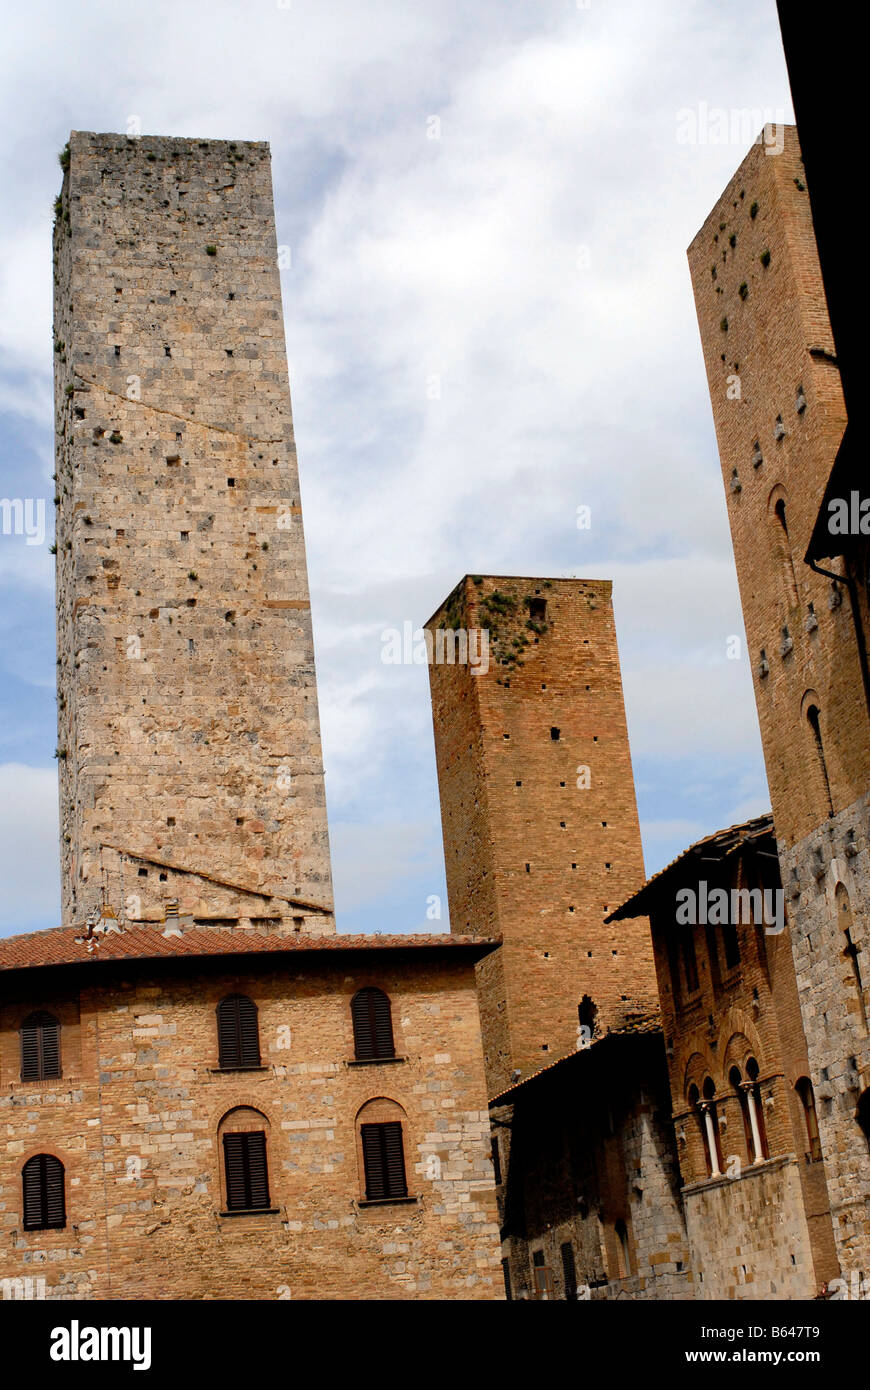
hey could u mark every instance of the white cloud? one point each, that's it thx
(532, 261)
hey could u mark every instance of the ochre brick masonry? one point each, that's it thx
(138, 1115)
(189, 742)
(779, 414)
(539, 818)
(758, 1219)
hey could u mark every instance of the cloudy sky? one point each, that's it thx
(489, 323)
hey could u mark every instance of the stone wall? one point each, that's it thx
(135, 1122)
(188, 724)
(779, 415)
(588, 1158)
(749, 1235)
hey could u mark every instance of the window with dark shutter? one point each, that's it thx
(247, 1177)
(372, 1025)
(238, 1033)
(384, 1161)
(40, 1047)
(569, 1270)
(43, 1193)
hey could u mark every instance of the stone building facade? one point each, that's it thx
(143, 1098)
(206, 1092)
(538, 811)
(588, 1180)
(189, 741)
(780, 419)
(744, 1110)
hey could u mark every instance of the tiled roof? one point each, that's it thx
(717, 846)
(69, 945)
(639, 1028)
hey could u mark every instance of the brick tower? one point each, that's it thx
(541, 835)
(779, 415)
(189, 742)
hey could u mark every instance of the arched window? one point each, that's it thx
(804, 1088)
(43, 1193)
(690, 960)
(814, 720)
(372, 1025)
(381, 1131)
(784, 555)
(587, 1014)
(736, 1080)
(238, 1033)
(40, 1047)
(756, 1112)
(243, 1134)
(707, 1107)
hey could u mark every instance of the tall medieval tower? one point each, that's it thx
(541, 835)
(779, 415)
(189, 741)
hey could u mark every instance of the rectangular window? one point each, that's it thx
(384, 1161)
(246, 1175)
(542, 1276)
(732, 945)
(690, 961)
(569, 1270)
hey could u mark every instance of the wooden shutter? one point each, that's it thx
(372, 1025)
(40, 1047)
(384, 1161)
(258, 1180)
(55, 1211)
(43, 1193)
(246, 1174)
(234, 1164)
(569, 1270)
(238, 1033)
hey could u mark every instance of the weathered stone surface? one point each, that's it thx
(780, 416)
(188, 736)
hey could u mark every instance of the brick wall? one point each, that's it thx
(745, 1009)
(539, 819)
(779, 415)
(135, 1122)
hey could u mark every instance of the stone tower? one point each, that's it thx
(541, 835)
(189, 742)
(779, 415)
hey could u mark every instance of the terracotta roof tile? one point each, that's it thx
(68, 946)
(721, 844)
